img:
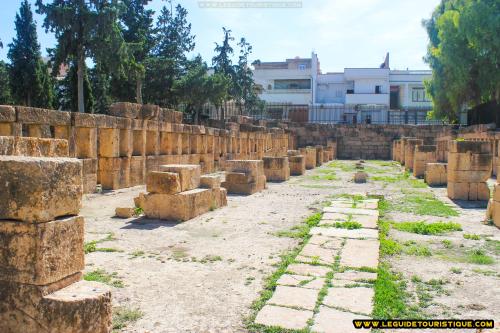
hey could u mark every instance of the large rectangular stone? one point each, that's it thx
(304, 298)
(189, 174)
(178, 207)
(41, 253)
(436, 174)
(163, 182)
(360, 253)
(39, 189)
(278, 316)
(475, 147)
(29, 115)
(253, 168)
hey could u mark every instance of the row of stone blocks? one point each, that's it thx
(174, 193)
(41, 253)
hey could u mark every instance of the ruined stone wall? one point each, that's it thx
(118, 151)
(363, 141)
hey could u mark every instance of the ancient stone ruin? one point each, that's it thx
(41, 253)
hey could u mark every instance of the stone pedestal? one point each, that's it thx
(276, 169)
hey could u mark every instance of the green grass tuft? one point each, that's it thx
(422, 228)
(100, 275)
(421, 203)
(348, 225)
(479, 257)
(472, 236)
(122, 316)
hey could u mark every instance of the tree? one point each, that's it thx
(193, 88)
(218, 87)
(85, 29)
(137, 29)
(464, 53)
(67, 90)
(244, 86)
(5, 95)
(168, 61)
(30, 81)
(223, 64)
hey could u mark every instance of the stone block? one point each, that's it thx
(163, 182)
(89, 183)
(182, 206)
(29, 115)
(7, 114)
(310, 156)
(39, 147)
(41, 253)
(150, 111)
(297, 165)
(109, 142)
(124, 212)
(475, 147)
(358, 300)
(85, 139)
(114, 172)
(189, 174)
(7, 145)
(459, 176)
(458, 191)
(436, 174)
(137, 170)
(39, 189)
(253, 168)
(360, 177)
(125, 110)
(278, 316)
(330, 320)
(219, 197)
(210, 181)
(294, 297)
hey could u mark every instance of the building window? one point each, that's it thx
(378, 89)
(419, 95)
(292, 84)
(269, 87)
(302, 67)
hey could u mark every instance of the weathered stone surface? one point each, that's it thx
(29, 115)
(360, 253)
(316, 253)
(178, 207)
(308, 270)
(360, 177)
(210, 181)
(301, 281)
(330, 320)
(253, 168)
(238, 178)
(109, 142)
(356, 276)
(352, 299)
(189, 174)
(39, 189)
(125, 109)
(344, 233)
(359, 211)
(326, 242)
(475, 147)
(292, 319)
(295, 297)
(41, 253)
(124, 212)
(297, 164)
(7, 114)
(367, 221)
(436, 174)
(163, 182)
(150, 111)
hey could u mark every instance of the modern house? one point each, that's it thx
(366, 95)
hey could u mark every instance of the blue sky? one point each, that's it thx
(344, 33)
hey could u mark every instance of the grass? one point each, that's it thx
(447, 243)
(422, 228)
(348, 225)
(421, 203)
(210, 258)
(90, 247)
(479, 257)
(100, 275)
(137, 254)
(325, 174)
(301, 230)
(343, 166)
(472, 236)
(122, 316)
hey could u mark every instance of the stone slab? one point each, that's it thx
(359, 211)
(330, 320)
(326, 242)
(302, 281)
(360, 253)
(367, 221)
(357, 300)
(295, 297)
(308, 270)
(344, 233)
(313, 252)
(355, 276)
(292, 319)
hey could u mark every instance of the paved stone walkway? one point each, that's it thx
(335, 260)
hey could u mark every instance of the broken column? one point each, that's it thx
(410, 152)
(435, 174)
(276, 169)
(297, 163)
(309, 154)
(423, 154)
(469, 167)
(174, 193)
(319, 155)
(244, 176)
(42, 254)
(493, 212)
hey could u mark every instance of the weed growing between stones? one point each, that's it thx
(90, 247)
(422, 228)
(122, 316)
(100, 275)
(301, 230)
(472, 236)
(421, 203)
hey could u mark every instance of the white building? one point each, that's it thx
(354, 95)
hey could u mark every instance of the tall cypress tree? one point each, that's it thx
(29, 80)
(223, 65)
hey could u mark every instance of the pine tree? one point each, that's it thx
(173, 40)
(5, 95)
(223, 65)
(244, 85)
(67, 90)
(85, 29)
(28, 75)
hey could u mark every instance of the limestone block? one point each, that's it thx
(241, 188)
(182, 206)
(459, 176)
(458, 191)
(41, 253)
(137, 170)
(150, 111)
(29, 115)
(7, 114)
(89, 183)
(163, 182)
(38, 147)
(109, 142)
(189, 174)
(125, 110)
(124, 212)
(310, 155)
(475, 147)
(297, 165)
(219, 197)
(360, 177)
(410, 152)
(436, 174)
(253, 168)
(39, 189)
(139, 142)
(85, 142)
(7, 145)
(210, 181)
(238, 178)
(495, 212)
(114, 172)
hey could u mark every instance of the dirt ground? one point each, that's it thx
(203, 275)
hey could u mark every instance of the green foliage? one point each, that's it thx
(436, 228)
(478, 256)
(5, 94)
(348, 225)
(472, 236)
(301, 230)
(30, 82)
(463, 51)
(100, 275)
(122, 316)
(67, 90)
(421, 203)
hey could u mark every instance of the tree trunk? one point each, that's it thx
(197, 116)
(81, 67)
(223, 113)
(138, 91)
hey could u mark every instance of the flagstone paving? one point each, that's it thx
(330, 251)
